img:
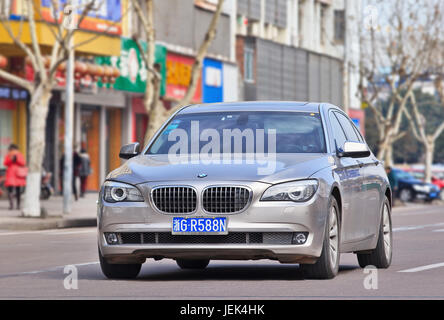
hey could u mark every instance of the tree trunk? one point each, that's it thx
(429, 150)
(38, 112)
(388, 159)
(156, 119)
(383, 145)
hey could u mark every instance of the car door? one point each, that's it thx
(368, 190)
(347, 170)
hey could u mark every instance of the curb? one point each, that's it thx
(34, 224)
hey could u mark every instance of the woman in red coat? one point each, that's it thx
(15, 175)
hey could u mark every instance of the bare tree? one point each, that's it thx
(155, 110)
(40, 88)
(418, 124)
(395, 53)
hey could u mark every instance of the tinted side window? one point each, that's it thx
(361, 139)
(347, 126)
(338, 132)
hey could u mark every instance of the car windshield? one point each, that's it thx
(243, 132)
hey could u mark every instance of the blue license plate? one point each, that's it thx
(183, 225)
(433, 195)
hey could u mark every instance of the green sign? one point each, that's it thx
(133, 72)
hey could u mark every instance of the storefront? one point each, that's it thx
(101, 125)
(13, 119)
(100, 128)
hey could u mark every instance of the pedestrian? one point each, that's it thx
(393, 181)
(76, 162)
(16, 173)
(84, 171)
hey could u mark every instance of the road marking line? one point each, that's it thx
(438, 230)
(47, 270)
(408, 228)
(47, 232)
(427, 267)
(71, 232)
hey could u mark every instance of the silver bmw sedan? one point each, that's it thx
(287, 181)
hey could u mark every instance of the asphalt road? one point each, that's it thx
(32, 266)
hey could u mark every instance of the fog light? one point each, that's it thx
(111, 238)
(300, 237)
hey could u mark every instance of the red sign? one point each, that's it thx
(179, 76)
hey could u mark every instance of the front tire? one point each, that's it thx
(327, 266)
(192, 264)
(119, 271)
(381, 256)
(406, 195)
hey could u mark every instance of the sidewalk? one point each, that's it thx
(83, 214)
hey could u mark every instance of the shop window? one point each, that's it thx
(339, 25)
(248, 64)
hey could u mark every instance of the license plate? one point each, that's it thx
(190, 226)
(433, 195)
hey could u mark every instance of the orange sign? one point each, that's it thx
(179, 76)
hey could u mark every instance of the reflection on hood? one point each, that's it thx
(282, 167)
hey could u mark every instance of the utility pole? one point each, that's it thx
(69, 115)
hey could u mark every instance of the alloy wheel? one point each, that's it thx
(333, 234)
(387, 231)
(406, 195)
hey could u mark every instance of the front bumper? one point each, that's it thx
(259, 217)
(427, 195)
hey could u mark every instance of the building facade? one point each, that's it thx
(300, 50)
(263, 50)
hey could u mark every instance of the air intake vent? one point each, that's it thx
(175, 199)
(275, 238)
(225, 199)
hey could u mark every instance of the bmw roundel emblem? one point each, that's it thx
(201, 175)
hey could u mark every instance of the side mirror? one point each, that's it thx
(128, 151)
(354, 150)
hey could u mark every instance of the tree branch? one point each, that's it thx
(34, 40)
(16, 80)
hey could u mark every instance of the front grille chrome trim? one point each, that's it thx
(223, 190)
(171, 207)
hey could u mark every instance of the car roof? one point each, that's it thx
(252, 106)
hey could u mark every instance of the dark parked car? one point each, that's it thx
(435, 180)
(411, 188)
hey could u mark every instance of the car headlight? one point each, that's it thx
(421, 188)
(119, 192)
(297, 191)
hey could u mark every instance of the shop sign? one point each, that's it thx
(105, 17)
(212, 81)
(13, 93)
(133, 71)
(179, 76)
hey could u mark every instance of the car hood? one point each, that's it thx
(285, 167)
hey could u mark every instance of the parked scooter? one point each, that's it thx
(46, 189)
